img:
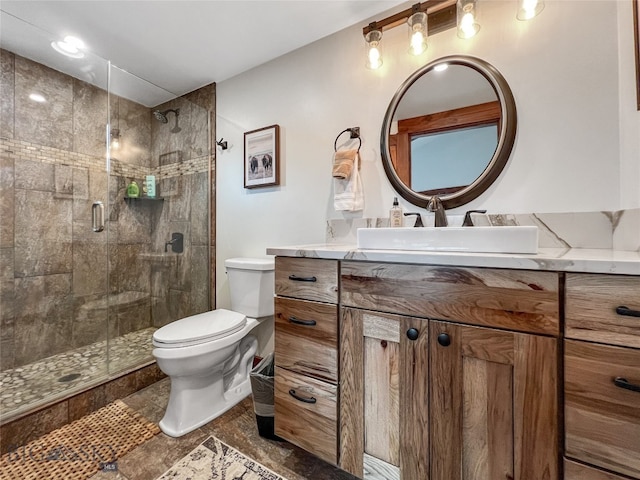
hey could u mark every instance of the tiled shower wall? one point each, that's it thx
(55, 273)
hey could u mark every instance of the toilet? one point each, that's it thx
(209, 356)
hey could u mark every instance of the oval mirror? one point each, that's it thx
(448, 131)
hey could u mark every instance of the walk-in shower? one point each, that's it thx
(79, 303)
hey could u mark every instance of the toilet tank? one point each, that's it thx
(251, 284)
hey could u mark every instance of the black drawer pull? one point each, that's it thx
(296, 278)
(626, 311)
(624, 383)
(306, 323)
(293, 393)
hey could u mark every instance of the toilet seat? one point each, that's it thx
(197, 329)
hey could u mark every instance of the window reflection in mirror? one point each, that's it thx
(463, 150)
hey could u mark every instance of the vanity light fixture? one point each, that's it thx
(527, 9)
(373, 40)
(418, 31)
(432, 16)
(70, 46)
(467, 14)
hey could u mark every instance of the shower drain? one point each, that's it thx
(70, 377)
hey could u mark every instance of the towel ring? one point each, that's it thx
(354, 133)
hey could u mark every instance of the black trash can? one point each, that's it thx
(263, 401)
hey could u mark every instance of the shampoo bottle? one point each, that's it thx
(133, 191)
(395, 214)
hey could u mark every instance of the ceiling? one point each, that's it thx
(179, 45)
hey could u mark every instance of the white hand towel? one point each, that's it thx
(348, 193)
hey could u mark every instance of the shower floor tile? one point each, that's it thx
(29, 386)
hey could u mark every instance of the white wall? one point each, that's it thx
(629, 114)
(576, 147)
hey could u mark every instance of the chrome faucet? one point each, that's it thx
(435, 205)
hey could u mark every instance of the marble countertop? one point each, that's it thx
(549, 259)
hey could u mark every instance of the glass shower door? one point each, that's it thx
(53, 167)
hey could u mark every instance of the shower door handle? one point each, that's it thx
(97, 216)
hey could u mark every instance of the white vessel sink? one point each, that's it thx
(516, 239)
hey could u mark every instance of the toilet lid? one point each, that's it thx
(200, 328)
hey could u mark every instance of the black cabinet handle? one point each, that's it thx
(412, 334)
(306, 323)
(624, 383)
(444, 339)
(296, 278)
(626, 311)
(293, 393)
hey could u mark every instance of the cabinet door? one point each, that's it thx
(494, 411)
(384, 424)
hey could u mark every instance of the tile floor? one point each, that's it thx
(237, 428)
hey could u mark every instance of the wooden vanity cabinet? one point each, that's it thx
(602, 376)
(306, 354)
(476, 392)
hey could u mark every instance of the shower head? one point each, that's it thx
(162, 116)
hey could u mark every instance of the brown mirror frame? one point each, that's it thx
(503, 150)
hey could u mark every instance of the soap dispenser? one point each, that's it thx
(395, 214)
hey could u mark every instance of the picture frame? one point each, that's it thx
(636, 36)
(262, 157)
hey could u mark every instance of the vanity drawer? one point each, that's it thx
(307, 278)
(602, 420)
(520, 300)
(306, 339)
(309, 421)
(577, 471)
(591, 303)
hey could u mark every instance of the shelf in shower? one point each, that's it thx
(143, 199)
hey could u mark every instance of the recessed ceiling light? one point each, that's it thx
(70, 46)
(36, 97)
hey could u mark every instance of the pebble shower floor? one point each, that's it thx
(27, 386)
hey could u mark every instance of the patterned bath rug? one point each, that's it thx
(78, 450)
(213, 459)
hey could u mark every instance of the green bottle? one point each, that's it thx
(133, 191)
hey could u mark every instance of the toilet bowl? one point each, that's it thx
(208, 357)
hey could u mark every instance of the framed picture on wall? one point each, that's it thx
(636, 34)
(262, 157)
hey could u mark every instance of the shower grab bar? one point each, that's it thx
(97, 216)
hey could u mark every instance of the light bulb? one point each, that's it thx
(418, 45)
(375, 58)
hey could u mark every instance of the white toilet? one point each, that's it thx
(209, 356)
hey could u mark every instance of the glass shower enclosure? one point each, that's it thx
(87, 270)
